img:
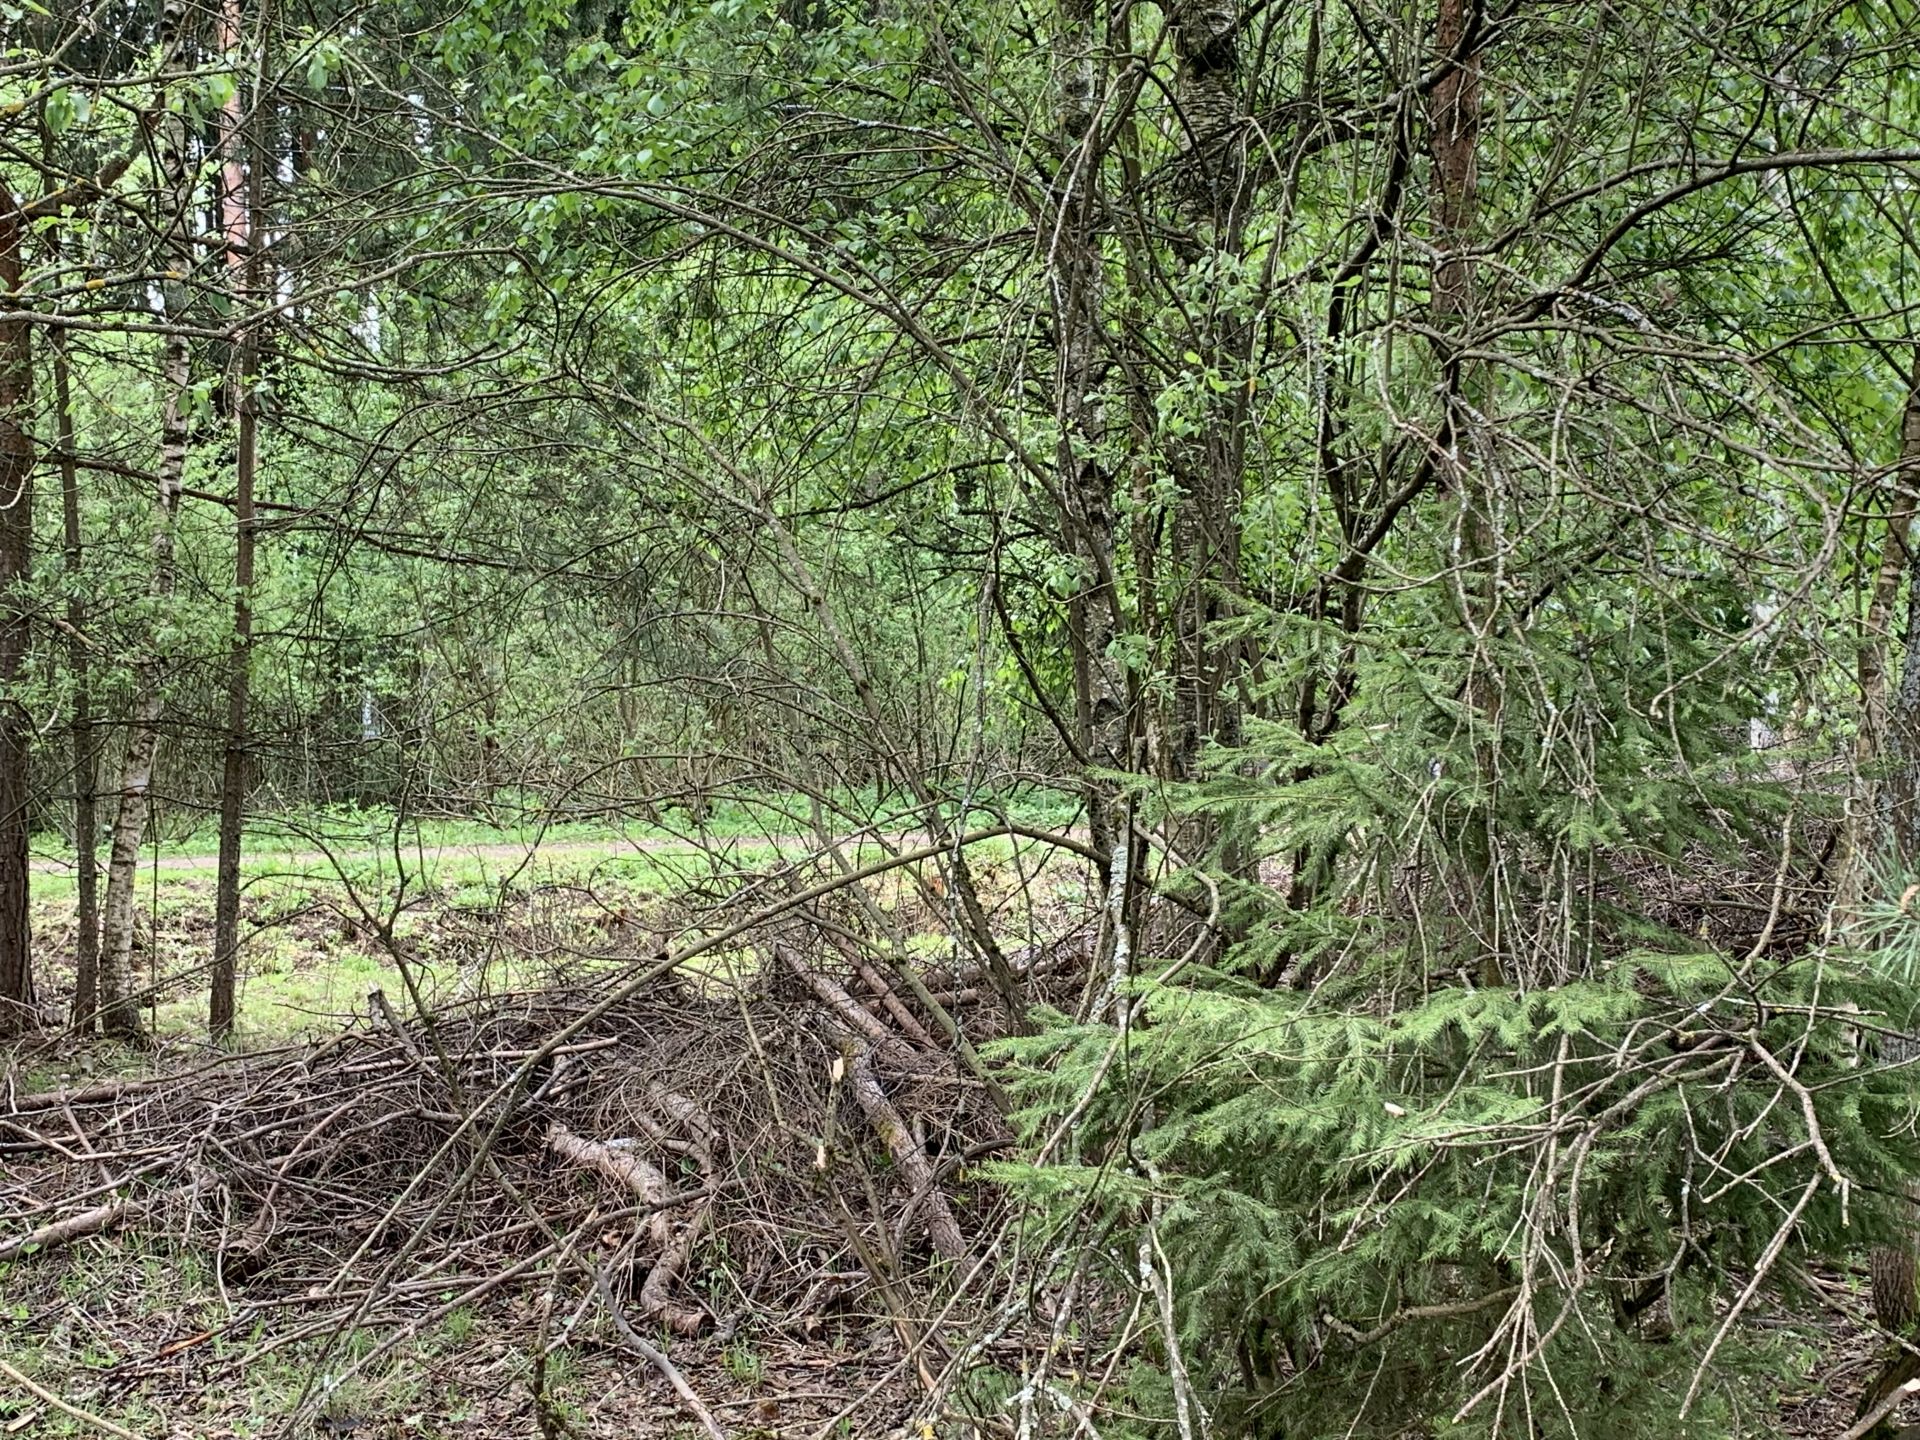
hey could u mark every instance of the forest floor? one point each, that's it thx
(139, 1334)
(156, 1331)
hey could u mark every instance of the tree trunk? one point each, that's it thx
(86, 839)
(1903, 719)
(1862, 839)
(1105, 718)
(16, 555)
(240, 187)
(1199, 572)
(1076, 284)
(1454, 122)
(1454, 116)
(1209, 466)
(119, 1015)
(234, 770)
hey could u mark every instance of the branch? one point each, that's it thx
(655, 1357)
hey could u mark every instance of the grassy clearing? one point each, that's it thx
(472, 910)
(526, 822)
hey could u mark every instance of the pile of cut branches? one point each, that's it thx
(586, 1144)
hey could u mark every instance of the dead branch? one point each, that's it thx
(276, 1150)
(895, 1007)
(66, 1407)
(103, 1094)
(615, 1162)
(675, 1251)
(657, 1358)
(846, 1009)
(942, 1229)
(64, 1232)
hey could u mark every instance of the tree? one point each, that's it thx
(16, 560)
(244, 241)
(119, 1014)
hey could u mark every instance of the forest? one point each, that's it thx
(794, 719)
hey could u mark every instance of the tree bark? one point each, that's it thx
(1903, 719)
(119, 1015)
(1454, 135)
(86, 837)
(16, 556)
(240, 190)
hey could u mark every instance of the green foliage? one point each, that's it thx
(730, 419)
(1564, 1188)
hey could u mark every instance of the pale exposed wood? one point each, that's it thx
(942, 1229)
(64, 1232)
(622, 1167)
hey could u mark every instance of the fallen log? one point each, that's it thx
(851, 1012)
(674, 1252)
(621, 1166)
(101, 1094)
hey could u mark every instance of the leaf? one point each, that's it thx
(60, 111)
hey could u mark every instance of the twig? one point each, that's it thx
(1357, 1337)
(655, 1357)
(1734, 1311)
(86, 1417)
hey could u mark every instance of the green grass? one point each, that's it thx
(309, 957)
(130, 1295)
(461, 897)
(352, 829)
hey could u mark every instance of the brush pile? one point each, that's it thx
(693, 1152)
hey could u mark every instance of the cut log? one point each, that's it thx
(942, 1229)
(851, 1013)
